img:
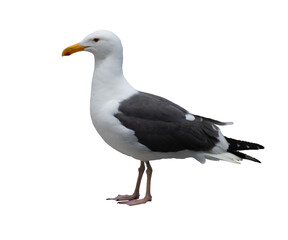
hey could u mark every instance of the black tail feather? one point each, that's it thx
(244, 156)
(236, 145)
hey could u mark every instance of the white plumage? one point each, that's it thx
(145, 126)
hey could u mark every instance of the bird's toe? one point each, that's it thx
(136, 201)
(125, 197)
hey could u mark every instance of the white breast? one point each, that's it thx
(104, 105)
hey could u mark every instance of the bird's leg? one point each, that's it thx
(148, 196)
(136, 193)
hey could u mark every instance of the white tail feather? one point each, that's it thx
(226, 156)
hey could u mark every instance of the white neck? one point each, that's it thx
(110, 66)
(109, 82)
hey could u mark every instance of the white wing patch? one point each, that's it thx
(189, 117)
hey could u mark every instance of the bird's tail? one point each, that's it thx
(233, 154)
(237, 145)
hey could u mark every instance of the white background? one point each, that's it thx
(221, 59)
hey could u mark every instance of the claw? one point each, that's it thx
(136, 202)
(125, 197)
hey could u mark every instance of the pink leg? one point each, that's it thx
(136, 193)
(148, 196)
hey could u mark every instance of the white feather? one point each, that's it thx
(226, 156)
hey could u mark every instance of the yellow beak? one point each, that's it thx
(72, 49)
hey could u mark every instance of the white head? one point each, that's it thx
(101, 44)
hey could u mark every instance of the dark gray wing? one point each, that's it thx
(161, 125)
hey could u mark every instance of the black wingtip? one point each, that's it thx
(255, 160)
(245, 156)
(236, 145)
(260, 146)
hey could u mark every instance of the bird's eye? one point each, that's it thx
(95, 39)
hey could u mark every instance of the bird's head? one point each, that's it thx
(101, 44)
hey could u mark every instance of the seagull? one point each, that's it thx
(145, 126)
